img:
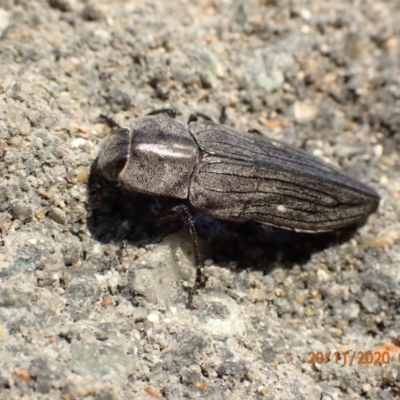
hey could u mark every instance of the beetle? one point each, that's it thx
(230, 175)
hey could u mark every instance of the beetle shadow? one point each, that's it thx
(114, 216)
(253, 246)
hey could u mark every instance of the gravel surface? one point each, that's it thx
(80, 319)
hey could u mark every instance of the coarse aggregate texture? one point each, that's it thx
(79, 319)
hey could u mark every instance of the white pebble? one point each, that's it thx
(153, 318)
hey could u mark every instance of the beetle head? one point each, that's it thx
(114, 154)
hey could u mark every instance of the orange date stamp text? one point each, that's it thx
(374, 357)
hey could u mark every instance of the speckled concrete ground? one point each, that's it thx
(78, 320)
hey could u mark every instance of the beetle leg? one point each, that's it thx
(122, 248)
(183, 212)
(189, 221)
(169, 111)
(194, 117)
(109, 121)
(223, 117)
(256, 131)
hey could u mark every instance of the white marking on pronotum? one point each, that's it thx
(162, 150)
(281, 208)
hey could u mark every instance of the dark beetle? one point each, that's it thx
(230, 175)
